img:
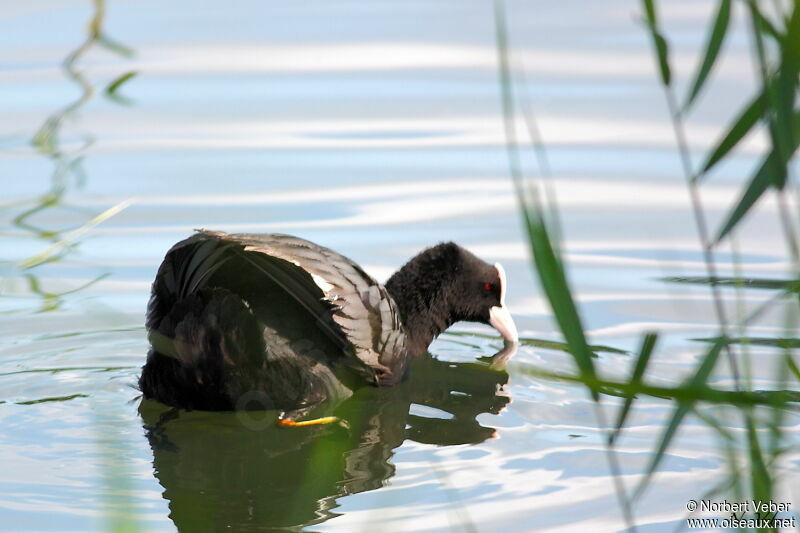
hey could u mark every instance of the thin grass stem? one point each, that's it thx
(701, 224)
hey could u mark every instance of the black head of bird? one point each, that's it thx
(446, 284)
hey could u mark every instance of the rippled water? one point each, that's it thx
(375, 129)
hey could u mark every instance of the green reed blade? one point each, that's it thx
(793, 367)
(790, 285)
(554, 282)
(114, 46)
(767, 175)
(648, 343)
(716, 37)
(785, 132)
(53, 399)
(741, 127)
(682, 394)
(662, 49)
(777, 342)
(759, 475)
(698, 381)
(74, 235)
(769, 29)
(773, 171)
(113, 88)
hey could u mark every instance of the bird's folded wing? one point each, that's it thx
(361, 307)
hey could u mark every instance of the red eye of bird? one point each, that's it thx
(487, 287)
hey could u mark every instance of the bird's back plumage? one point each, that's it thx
(269, 320)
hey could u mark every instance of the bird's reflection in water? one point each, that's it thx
(235, 472)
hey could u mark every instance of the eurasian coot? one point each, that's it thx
(242, 321)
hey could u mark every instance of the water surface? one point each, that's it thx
(374, 129)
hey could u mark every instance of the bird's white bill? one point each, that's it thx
(501, 320)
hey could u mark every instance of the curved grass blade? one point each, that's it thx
(769, 29)
(113, 87)
(648, 343)
(772, 172)
(681, 394)
(724, 432)
(548, 265)
(554, 283)
(777, 342)
(73, 235)
(785, 131)
(68, 369)
(793, 367)
(741, 127)
(698, 381)
(114, 46)
(564, 347)
(790, 285)
(660, 44)
(777, 398)
(709, 361)
(767, 175)
(53, 399)
(715, 40)
(759, 475)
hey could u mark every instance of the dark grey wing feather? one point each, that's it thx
(362, 308)
(185, 267)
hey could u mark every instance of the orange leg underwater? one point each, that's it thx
(288, 423)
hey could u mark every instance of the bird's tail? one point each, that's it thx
(203, 352)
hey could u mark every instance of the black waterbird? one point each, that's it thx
(272, 321)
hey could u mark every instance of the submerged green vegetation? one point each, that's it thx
(68, 172)
(751, 427)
